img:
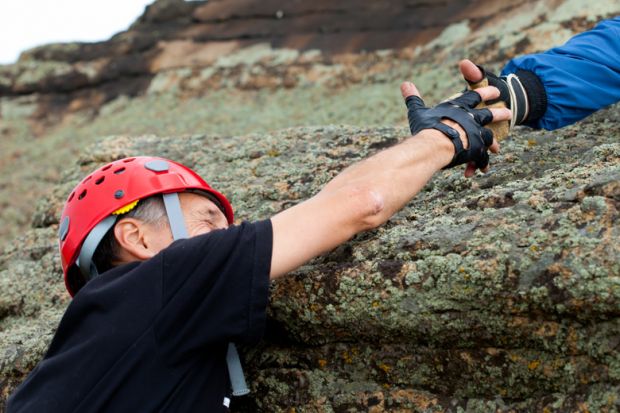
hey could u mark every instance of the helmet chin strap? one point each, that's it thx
(179, 231)
(85, 260)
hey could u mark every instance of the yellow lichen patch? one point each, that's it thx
(533, 248)
(515, 357)
(419, 399)
(466, 357)
(583, 408)
(548, 329)
(571, 340)
(375, 304)
(385, 367)
(347, 357)
(533, 365)
(322, 363)
(282, 187)
(492, 351)
(518, 321)
(558, 269)
(531, 142)
(273, 152)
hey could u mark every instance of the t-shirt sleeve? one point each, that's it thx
(215, 289)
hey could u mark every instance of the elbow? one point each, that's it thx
(367, 208)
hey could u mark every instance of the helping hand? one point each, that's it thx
(512, 91)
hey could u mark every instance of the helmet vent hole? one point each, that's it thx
(105, 168)
(82, 194)
(100, 180)
(88, 178)
(71, 197)
(119, 171)
(128, 160)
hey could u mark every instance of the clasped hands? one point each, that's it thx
(459, 120)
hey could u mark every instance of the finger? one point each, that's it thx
(470, 71)
(500, 114)
(494, 148)
(468, 99)
(409, 89)
(483, 117)
(470, 170)
(487, 136)
(488, 92)
(483, 162)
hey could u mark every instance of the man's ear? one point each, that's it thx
(130, 234)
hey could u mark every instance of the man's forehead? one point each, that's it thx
(199, 200)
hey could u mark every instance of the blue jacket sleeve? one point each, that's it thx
(580, 77)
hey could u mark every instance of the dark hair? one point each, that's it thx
(150, 210)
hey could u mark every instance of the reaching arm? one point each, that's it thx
(363, 196)
(579, 78)
(562, 85)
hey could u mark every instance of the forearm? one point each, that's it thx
(361, 197)
(394, 176)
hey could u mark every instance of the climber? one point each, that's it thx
(163, 281)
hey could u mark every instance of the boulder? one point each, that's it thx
(498, 293)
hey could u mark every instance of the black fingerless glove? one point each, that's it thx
(522, 92)
(462, 111)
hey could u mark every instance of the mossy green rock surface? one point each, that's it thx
(494, 294)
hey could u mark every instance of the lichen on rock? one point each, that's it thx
(499, 292)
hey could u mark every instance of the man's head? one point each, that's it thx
(144, 231)
(130, 210)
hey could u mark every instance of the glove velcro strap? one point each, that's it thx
(477, 148)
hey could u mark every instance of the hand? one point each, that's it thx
(460, 123)
(512, 91)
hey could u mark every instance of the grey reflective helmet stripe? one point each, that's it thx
(85, 260)
(179, 231)
(175, 216)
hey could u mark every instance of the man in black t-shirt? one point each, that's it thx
(163, 281)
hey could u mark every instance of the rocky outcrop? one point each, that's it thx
(188, 67)
(495, 294)
(499, 293)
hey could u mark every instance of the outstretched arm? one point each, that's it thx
(569, 82)
(365, 195)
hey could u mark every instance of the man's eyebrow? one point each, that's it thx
(207, 209)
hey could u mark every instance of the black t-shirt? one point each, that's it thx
(152, 336)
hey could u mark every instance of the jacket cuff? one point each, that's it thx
(536, 95)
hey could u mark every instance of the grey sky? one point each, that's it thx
(25, 24)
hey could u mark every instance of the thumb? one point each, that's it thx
(409, 89)
(470, 71)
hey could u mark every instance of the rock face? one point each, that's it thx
(234, 67)
(499, 293)
(494, 294)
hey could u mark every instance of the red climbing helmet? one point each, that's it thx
(115, 189)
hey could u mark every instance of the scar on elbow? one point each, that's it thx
(373, 206)
(377, 204)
